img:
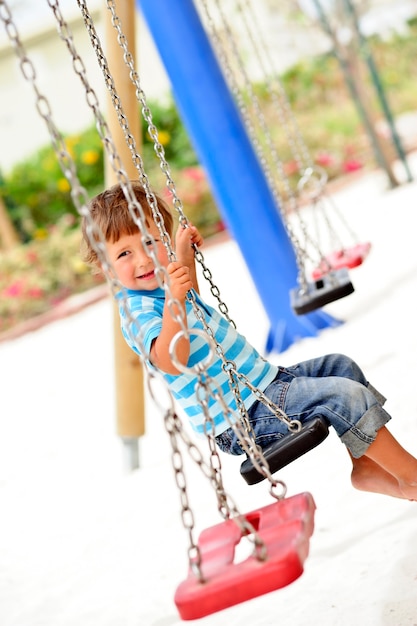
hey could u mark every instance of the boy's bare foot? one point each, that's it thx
(386, 468)
(369, 476)
(409, 490)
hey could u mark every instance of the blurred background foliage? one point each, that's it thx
(45, 266)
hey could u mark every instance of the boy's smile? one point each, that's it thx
(147, 276)
(134, 268)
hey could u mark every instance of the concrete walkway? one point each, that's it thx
(83, 543)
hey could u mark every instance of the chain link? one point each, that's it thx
(134, 206)
(299, 149)
(229, 367)
(187, 516)
(65, 160)
(289, 202)
(80, 199)
(160, 153)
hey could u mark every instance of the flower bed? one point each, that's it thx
(38, 276)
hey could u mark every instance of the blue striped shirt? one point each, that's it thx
(146, 307)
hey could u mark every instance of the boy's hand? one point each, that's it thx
(180, 280)
(184, 240)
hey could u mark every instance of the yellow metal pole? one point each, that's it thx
(128, 369)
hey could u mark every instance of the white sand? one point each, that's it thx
(83, 543)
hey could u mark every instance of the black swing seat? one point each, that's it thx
(330, 287)
(287, 449)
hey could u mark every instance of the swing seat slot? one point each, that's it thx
(285, 527)
(329, 288)
(287, 449)
(346, 257)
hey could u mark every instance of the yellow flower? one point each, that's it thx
(40, 234)
(164, 137)
(89, 157)
(63, 185)
(78, 266)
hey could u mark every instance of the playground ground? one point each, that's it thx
(83, 542)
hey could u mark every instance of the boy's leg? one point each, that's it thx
(388, 454)
(338, 365)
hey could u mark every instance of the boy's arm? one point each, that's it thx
(183, 277)
(181, 282)
(184, 240)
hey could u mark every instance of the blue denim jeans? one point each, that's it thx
(332, 386)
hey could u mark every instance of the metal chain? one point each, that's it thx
(123, 121)
(80, 200)
(187, 516)
(274, 86)
(129, 138)
(137, 210)
(292, 207)
(159, 150)
(304, 251)
(78, 193)
(289, 124)
(134, 206)
(229, 510)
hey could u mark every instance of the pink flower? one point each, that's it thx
(14, 290)
(191, 197)
(31, 256)
(195, 173)
(351, 165)
(325, 159)
(291, 167)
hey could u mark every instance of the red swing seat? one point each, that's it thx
(285, 527)
(345, 257)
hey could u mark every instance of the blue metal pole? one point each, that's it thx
(236, 177)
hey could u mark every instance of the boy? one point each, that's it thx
(332, 386)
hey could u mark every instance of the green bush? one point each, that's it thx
(36, 192)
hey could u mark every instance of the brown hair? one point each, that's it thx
(109, 211)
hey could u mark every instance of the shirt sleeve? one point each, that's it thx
(146, 324)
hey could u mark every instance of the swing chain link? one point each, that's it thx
(229, 510)
(194, 554)
(135, 208)
(79, 197)
(300, 252)
(289, 204)
(116, 101)
(204, 393)
(244, 430)
(164, 165)
(159, 149)
(66, 162)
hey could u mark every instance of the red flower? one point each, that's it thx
(351, 165)
(35, 292)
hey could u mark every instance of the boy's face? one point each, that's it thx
(134, 268)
